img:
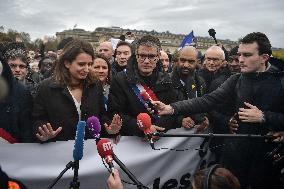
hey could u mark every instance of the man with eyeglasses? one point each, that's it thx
(214, 71)
(15, 104)
(16, 57)
(141, 75)
(189, 85)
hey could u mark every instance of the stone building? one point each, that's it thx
(170, 42)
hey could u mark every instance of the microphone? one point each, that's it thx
(104, 148)
(79, 141)
(144, 123)
(147, 99)
(94, 127)
(78, 152)
(77, 155)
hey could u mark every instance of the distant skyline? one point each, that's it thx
(231, 19)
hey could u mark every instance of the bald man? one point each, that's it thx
(188, 85)
(105, 49)
(165, 61)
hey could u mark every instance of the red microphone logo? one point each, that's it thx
(144, 122)
(104, 147)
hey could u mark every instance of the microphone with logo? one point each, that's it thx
(105, 147)
(147, 100)
(77, 156)
(144, 123)
(94, 127)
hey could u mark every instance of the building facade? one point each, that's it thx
(170, 42)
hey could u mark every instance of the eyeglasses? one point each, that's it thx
(151, 57)
(212, 59)
(184, 60)
(14, 66)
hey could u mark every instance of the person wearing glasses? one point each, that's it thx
(16, 56)
(141, 74)
(15, 105)
(214, 71)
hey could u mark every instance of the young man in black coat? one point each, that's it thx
(141, 74)
(257, 95)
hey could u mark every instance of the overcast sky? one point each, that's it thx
(230, 19)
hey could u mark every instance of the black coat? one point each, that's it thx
(15, 109)
(55, 105)
(193, 87)
(220, 116)
(214, 79)
(123, 100)
(246, 158)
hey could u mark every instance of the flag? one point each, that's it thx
(187, 40)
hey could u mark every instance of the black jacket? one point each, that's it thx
(193, 87)
(55, 105)
(123, 100)
(220, 116)
(263, 90)
(214, 79)
(15, 109)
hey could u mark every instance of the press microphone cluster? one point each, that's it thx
(148, 101)
(105, 149)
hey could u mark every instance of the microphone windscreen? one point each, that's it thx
(144, 122)
(104, 147)
(144, 95)
(94, 126)
(79, 141)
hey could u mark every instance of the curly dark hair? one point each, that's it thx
(264, 46)
(15, 50)
(149, 40)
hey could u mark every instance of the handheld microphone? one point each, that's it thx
(94, 127)
(147, 99)
(144, 123)
(104, 148)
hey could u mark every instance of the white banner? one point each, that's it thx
(36, 165)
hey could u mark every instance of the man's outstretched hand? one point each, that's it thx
(162, 108)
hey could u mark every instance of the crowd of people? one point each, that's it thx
(237, 92)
